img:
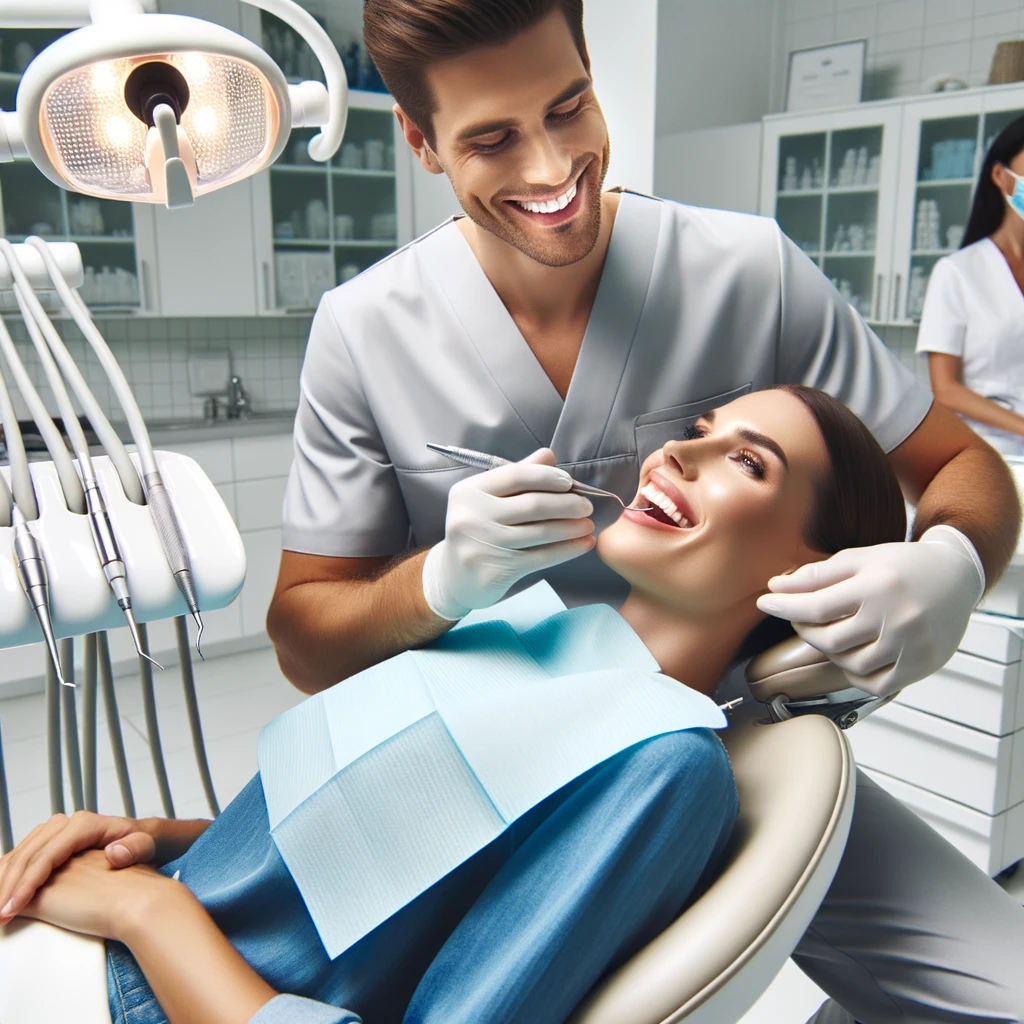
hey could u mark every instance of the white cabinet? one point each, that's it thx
(909, 170)
(830, 181)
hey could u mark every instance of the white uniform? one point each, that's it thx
(694, 307)
(974, 309)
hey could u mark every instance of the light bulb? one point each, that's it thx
(195, 67)
(119, 131)
(205, 121)
(104, 78)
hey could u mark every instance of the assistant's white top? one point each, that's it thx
(974, 309)
(695, 307)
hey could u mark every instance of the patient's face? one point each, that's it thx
(734, 500)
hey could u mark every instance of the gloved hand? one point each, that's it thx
(501, 526)
(887, 615)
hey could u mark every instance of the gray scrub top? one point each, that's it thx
(695, 307)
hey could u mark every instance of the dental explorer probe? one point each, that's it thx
(104, 539)
(161, 507)
(481, 460)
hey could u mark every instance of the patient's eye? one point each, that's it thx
(693, 431)
(751, 462)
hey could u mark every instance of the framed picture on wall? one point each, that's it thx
(826, 76)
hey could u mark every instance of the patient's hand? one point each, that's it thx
(125, 841)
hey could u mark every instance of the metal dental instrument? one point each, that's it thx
(159, 500)
(32, 573)
(195, 724)
(40, 330)
(481, 460)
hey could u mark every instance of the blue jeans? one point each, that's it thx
(518, 933)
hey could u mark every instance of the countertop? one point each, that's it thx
(167, 434)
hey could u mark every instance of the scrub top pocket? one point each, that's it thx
(654, 429)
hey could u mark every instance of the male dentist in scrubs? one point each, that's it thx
(560, 322)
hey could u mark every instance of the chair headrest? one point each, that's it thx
(795, 669)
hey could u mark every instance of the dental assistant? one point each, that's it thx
(972, 324)
(557, 321)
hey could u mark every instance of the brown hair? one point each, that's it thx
(857, 500)
(405, 36)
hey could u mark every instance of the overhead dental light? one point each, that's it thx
(161, 108)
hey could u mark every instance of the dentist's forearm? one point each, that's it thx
(963, 400)
(325, 630)
(974, 492)
(197, 976)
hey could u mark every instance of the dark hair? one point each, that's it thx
(989, 206)
(403, 37)
(857, 500)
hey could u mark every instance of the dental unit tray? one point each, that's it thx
(81, 601)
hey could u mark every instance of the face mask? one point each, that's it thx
(1016, 201)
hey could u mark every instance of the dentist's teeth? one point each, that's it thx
(551, 205)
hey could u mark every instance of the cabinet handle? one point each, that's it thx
(147, 295)
(875, 305)
(267, 304)
(896, 298)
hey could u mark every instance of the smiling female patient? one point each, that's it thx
(525, 927)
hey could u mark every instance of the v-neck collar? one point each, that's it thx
(1007, 270)
(576, 426)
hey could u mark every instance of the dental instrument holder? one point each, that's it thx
(80, 598)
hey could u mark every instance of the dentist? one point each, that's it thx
(558, 321)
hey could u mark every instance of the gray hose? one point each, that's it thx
(124, 781)
(6, 832)
(53, 739)
(71, 749)
(74, 495)
(195, 724)
(89, 693)
(21, 478)
(156, 749)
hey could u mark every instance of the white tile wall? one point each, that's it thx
(901, 341)
(153, 353)
(908, 40)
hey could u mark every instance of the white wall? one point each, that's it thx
(716, 167)
(715, 62)
(623, 43)
(909, 41)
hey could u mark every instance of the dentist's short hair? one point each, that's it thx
(404, 37)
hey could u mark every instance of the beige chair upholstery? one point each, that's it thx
(796, 784)
(795, 669)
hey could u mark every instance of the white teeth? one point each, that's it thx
(552, 205)
(665, 503)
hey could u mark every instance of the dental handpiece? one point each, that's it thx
(171, 541)
(112, 562)
(481, 460)
(32, 573)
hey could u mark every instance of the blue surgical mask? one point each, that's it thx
(1016, 201)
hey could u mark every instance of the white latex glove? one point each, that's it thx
(887, 615)
(501, 526)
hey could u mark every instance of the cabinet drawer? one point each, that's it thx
(993, 842)
(997, 643)
(213, 456)
(257, 458)
(972, 691)
(941, 757)
(263, 555)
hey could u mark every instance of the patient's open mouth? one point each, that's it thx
(664, 508)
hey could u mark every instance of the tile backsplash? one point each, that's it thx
(266, 352)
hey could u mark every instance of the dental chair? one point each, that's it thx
(795, 776)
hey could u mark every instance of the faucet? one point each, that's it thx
(239, 402)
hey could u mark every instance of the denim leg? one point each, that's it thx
(607, 870)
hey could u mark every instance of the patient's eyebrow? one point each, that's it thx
(764, 441)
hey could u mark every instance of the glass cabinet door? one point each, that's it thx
(831, 191)
(30, 204)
